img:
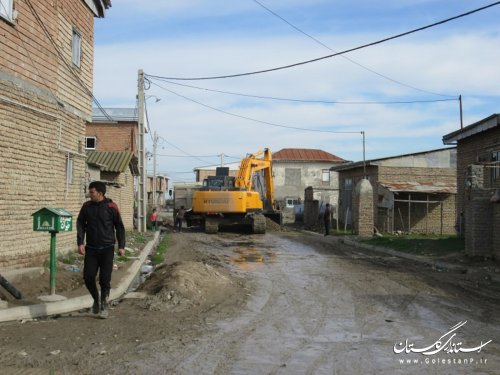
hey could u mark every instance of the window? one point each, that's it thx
(348, 184)
(69, 169)
(6, 9)
(76, 46)
(495, 170)
(90, 143)
(326, 175)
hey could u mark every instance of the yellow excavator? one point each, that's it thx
(227, 200)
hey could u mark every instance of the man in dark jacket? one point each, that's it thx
(100, 224)
(327, 218)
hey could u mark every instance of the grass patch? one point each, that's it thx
(159, 256)
(342, 232)
(420, 244)
(68, 258)
(124, 258)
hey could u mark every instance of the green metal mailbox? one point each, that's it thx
(52, 220)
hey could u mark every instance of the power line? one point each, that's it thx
(181, 150)
(345, 57)
(307, 100)
(188, 156)
(255, 120)
(332, 55)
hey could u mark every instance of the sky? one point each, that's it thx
(325, 104)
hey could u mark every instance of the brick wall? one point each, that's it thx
(439, 219)
(33, 174)
(478, 224)
(363, 218)
(114, 137)
(123, 196)
(43, 109)
(470, 151)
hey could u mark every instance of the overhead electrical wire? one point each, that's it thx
(255, 120)
(62, 58)
(343, 56)
(331, 55)
(308, 100)
(181, 150)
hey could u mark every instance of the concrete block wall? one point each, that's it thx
(475, 150)
(34, 143)
(43, 109)
(363, 219)
(479, 224)
(495, 233)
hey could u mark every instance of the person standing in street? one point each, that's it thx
(99, 225)
(327, 218)
(154, 220)
(178, 218)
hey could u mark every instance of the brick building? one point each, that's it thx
(411, 193)
(478, 179)
(111, 145)
(46, 77)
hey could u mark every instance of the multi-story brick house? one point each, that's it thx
(411, 193)
(478, 179)
(111, 145)
(46, 76)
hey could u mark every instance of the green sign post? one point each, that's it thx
(53, 220)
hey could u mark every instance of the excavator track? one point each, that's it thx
(211, 225)
(259, 224)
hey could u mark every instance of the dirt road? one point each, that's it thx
(282, 303)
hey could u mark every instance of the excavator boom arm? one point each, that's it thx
(252, 164)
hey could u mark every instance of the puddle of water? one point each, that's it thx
(248, 258)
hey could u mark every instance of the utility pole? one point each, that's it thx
(364, 157)
(141, 193)
(155, 143)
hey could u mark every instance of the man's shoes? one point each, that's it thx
(95, 307)
(104, 310)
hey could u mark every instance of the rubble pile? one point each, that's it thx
(181, 285)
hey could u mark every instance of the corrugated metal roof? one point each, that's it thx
(117, 114)
(305, 154)
(417, 187)
(478, 127)
(116, 161)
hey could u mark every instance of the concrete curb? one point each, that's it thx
(77, 303)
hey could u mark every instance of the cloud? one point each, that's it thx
(438, 61)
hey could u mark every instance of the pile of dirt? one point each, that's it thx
(182, 285)
(273, 226)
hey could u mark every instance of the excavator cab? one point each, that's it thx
(220, 182)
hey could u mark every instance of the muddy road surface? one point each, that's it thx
(281, 303)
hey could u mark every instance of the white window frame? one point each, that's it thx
(70, 163)
(76, 47)
(86, 143)
(325, 175)
(495, 172)
(7, 9)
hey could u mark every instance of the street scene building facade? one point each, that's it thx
(46, 78)
(478, 184)
(412, 193)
